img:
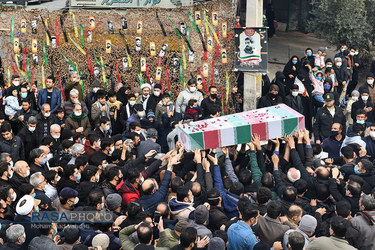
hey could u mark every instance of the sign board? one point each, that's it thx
(251, 49)
(129, 3)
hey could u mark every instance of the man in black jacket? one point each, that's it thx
(293, 100)
(325, 117)
(9, 143)
(29, 137)
(209, 101)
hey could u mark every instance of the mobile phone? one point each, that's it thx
(157, 217)
(171, 107)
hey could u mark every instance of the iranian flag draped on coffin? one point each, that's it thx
(268, 123)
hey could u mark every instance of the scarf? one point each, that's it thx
(77, 118)
(112, 108)
(103, 113)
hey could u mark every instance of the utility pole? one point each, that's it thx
(252, 90)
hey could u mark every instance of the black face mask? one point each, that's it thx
(213, 96)
(273, 95)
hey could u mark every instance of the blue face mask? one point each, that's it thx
(326, 87)
(37, 209)
(34, 195)
(318, 78)
(309, 54)
(294, 62)
(78, 177)
(356, 170)
(23, 95)
(361, 121)
(44, 161)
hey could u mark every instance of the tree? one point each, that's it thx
(343, 22)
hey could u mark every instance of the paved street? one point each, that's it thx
(287, 44)
(50, 5)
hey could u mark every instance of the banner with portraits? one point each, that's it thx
(251, 49)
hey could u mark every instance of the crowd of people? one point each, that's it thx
(117, 151)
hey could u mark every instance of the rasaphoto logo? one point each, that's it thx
(72, 217)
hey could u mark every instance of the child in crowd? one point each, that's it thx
(193, 109)
(11, 103)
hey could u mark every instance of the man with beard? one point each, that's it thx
(49, 95)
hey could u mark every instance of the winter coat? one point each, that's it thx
(73, 125)
(329, 243)
(180, 210)
(366, 229)
(294, 102)
(184, 97)
(318, 85)
(14, 147)
(324, 120)
(11, 105)
(128, 192)
(332, 146)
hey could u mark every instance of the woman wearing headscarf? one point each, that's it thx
(291, 70)
(271, 99)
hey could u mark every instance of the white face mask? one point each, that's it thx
(16, 83)
(356, 53)
(338, 64)
(49, 156)
(352, 53)
(355, 98)
(294, 93)
(10, 174)
(138, 132)
(131, 103)
(370, 81)
(111, 149)
(31, 129)
(107, 128)
(372, 134)
(47, 114)
(74, 79)
(193, 89)
(23, 239)
(14, 196)
(95, 90)
(56, 137)
(141, 113)
(77, 113)
(58, 178)
(329, 66)
(145, 96)
(364, 97)
(156, 93)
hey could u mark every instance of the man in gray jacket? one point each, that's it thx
(364, 222)
(149, 144)
(185, 96)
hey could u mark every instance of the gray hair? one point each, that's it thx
(118, 85)
(73, 73)
(76, 149)
(53, 126)
(35, 153)
(14, 232)
(74, 92)
(4, 156)
(368, 202)
(32, 120)
(35, 179)
(45, 105)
